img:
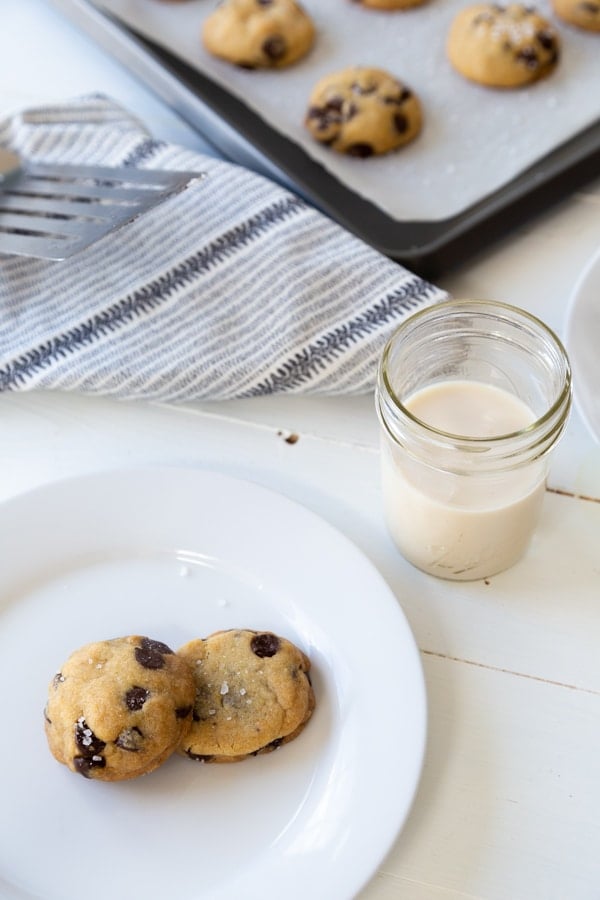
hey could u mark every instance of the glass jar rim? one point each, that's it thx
(491, 305)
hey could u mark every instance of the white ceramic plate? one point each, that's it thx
(582, 340)
(176, 554)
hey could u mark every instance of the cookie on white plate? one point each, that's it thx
(253, 694)
(118, 708)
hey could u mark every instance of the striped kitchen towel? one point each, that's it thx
(233, 288)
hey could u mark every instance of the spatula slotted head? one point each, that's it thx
(53, 212)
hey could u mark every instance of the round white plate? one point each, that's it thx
(176, 554)
(582, 340)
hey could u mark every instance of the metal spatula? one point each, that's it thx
(53, 211)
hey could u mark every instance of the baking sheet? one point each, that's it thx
(475, 140)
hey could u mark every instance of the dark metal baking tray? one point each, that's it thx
(427, 247)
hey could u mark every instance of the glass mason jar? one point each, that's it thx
(463, 485)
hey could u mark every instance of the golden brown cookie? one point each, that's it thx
(259, 33)
(118, 708)
(502, 46)
(582, 13)
(253, 693)
(363, 111)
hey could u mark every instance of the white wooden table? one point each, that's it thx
(509, 803)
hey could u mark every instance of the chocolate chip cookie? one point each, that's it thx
(259, 33)
(253, 693)
(582, 13)
(502, 46)
(363, 111)
(118, 708)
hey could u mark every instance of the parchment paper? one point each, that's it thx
(474, 139)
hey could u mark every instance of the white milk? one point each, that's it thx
(463, 526)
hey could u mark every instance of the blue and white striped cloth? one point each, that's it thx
(233, 288)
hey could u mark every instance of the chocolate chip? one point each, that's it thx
(315, 112)
(245, 65)
(274, 47)
(362, 150)
(334, 111)
(200, 757)
(401, 123)
(46, 716)
(399, 99)
(588, 7)
(182, 712)
(264, 2)
(265, 644)
(150, 654)
(130, 739)
(84, 764)
(157, 645)
(546, 40)
(86, 740)
(58, 679)
(528, 57)
(335, 103)
(136, 697)
(273, 745)
(325, 118)
(326, 122)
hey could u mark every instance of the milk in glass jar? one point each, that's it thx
(471, 396)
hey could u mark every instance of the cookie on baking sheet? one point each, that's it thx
(363, 111)
(253, 693)
(118, 708)
(582, 13)
(502, 46)
(259, 33)
(390, 5)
